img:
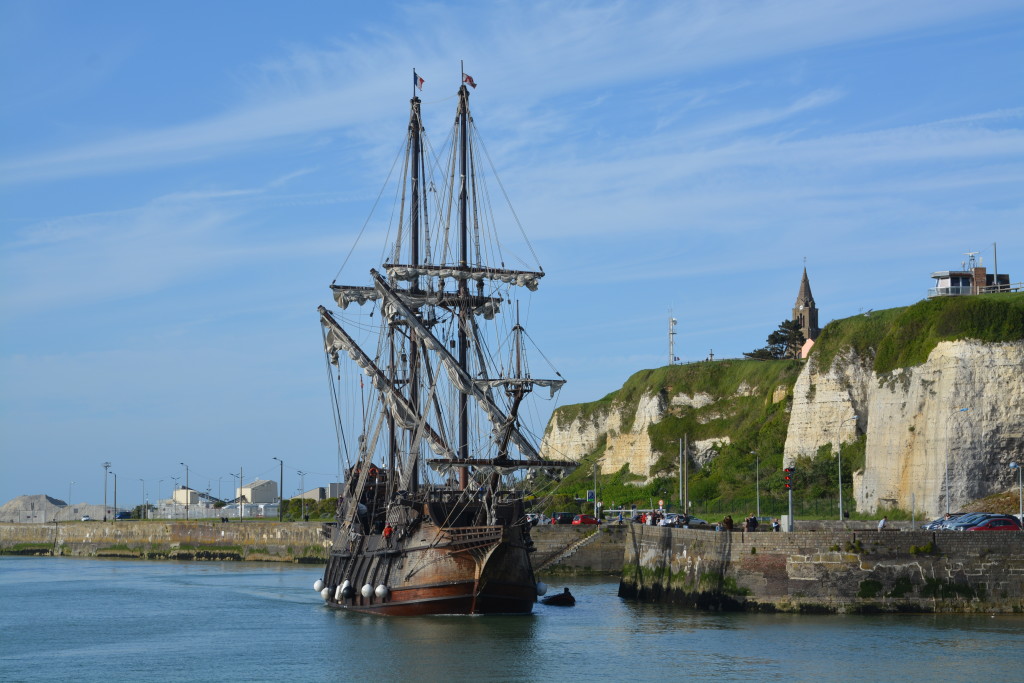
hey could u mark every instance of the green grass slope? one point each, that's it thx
(903, 337)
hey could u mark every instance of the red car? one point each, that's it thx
(993, 524)
(585, 519)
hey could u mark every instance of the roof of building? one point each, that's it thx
(804, 296)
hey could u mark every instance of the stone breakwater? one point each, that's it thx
(272, 542)
(170, 540)
(826, 571)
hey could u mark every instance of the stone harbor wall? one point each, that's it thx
(178, 540)
(599, 553)
(826, 571)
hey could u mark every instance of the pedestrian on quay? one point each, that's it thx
(881, 523)
(776, 526)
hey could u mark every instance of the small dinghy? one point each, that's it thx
(563, 599)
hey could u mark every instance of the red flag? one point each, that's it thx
(466, 78)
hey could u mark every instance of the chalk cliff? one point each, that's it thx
(933, 386)
(639, 426)
(963, 406)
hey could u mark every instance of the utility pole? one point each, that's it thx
(145, 505)
(115, 495)
(682, 501)
(686, 474)
(302, 485)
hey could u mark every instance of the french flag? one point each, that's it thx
(466, 78)
(417, 81)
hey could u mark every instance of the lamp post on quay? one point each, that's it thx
(188, 491)
(948, 418)
(280, 496)
(144, 504)
(106, 471)
(1020, 490)
(839, 454)
(757, 480)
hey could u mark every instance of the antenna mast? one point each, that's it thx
(672, 338)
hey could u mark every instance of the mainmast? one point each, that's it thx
(463, 291)
(415, 138)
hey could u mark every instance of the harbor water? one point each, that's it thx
(114, 620)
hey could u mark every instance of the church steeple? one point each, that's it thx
(804, 310)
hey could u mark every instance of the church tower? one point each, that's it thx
(804, 310)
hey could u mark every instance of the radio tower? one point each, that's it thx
(672, 358)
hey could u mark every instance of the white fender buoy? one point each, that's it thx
(382, 591)
(339, 593)
(367, 591)
(318, 585)
(325, 593)
(542, 588)
(346, 583)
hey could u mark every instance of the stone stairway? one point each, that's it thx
(568, 551)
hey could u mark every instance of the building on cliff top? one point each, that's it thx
(972, 278)
(806, 313)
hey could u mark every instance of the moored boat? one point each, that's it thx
(431, 517)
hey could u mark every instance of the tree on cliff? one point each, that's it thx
(784, 342)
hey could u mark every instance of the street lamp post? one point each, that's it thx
(948, 418)
(115, 495)
(280, 496)
(106, 471)
(174, 495)
(188, 491)
(1020, 490)
(839, 454)
(144, 506)
(302, 485)
(757, 480)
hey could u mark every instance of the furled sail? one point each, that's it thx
(521, 278)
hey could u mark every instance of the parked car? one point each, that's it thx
(86, 518)
(997, 524)
(937, 523)
(585, 519)
(970, 519)
(123, 514)
(562, 517)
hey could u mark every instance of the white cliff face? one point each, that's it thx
(915, 424)
(583, 434)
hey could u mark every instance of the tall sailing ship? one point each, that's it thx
(432, 518)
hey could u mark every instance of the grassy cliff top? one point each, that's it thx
(904, 337)
(719, 379)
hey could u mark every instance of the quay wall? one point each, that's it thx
(170, 540)
(599, 553)
(268, 542)
(826, 571)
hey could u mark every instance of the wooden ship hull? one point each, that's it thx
(433, 570)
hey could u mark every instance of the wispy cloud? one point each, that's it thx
(314, 90)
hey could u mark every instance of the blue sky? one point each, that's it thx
(180, 182)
